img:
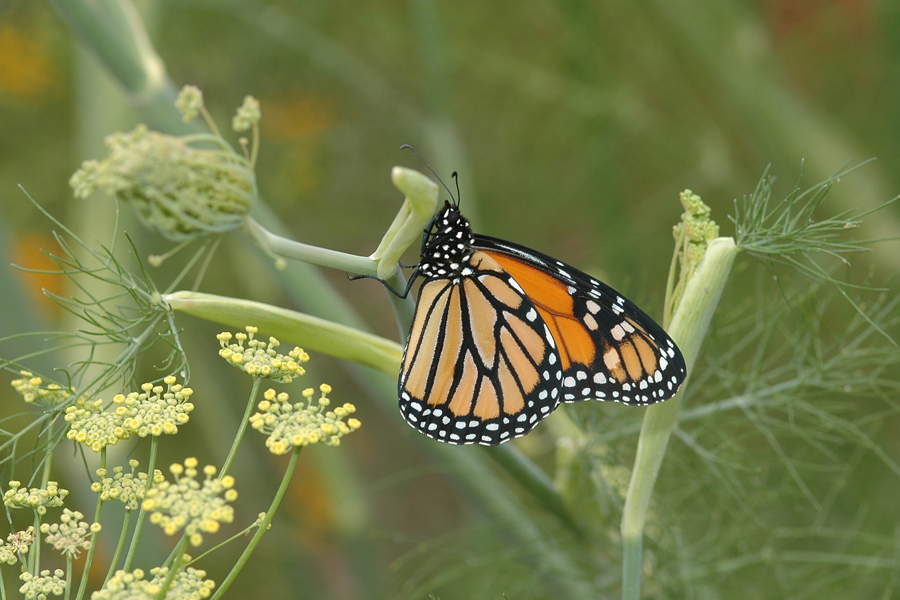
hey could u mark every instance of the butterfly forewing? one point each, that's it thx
(480, 364)
(609, 348)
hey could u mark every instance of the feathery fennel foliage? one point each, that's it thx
(790, 233)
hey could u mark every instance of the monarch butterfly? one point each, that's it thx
(502, 334)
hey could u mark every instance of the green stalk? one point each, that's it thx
(315, 334)
(68, 577)
(118, 40)
(688, 328)
(48, 460)
(242, 533)
(34, 557)
(90, 555)
(236, 569)
(121, 544)
(178, 553)
(242, 428)
(132, 548)
(324, 257)
(254, 147)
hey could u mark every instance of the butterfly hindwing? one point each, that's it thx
(609, 348)
(480, 364)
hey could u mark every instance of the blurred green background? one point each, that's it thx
(573, 127)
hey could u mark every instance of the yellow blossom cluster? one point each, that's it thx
(189, 504)
(40, 587)
(155, 410)
(33, 390)
(37, 499)
(92, 426)
(188, 584)
(127, 488)
(259, 358)
(304, 423)
(70, 535)
(17, 543)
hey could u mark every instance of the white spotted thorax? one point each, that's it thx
(502, 334)
(447, 249)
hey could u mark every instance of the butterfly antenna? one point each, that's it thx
(455, 177)
(405, 146)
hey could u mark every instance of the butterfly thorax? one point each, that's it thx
(447, 246)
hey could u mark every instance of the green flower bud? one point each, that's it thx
(181, 187)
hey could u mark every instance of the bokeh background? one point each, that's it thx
(573, 126)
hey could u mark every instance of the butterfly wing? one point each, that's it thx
(609, 348)
(480, 364)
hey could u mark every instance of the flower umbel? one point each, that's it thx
(189, 102)
(37, 499)
(692, 236)
(304, 423)
(17, 544)
(93, 427)
(248, 115)
(259, 359)
(70, 535)
(127, 488)
(188, 584)
(40, 587)
(188, 504)
(179, 189)
(695, 230)
(156, 410)
(33, 390)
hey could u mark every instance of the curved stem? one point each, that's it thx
(288, 473)
(34, 557)
(90, 554)
(178, 552)
(68, 577)
(242, 428)
(688, 328)
(132, 548)
(318, 335)
(48, 459)
(404, 308)
(222, 544)
(294, 250)
(254, 148)
(121, 544)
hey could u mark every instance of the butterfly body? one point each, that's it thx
(502, 334)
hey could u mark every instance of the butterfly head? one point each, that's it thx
(447, 243)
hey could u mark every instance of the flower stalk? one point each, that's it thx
(689, 325)
(82, 587)
(263, 527)
(245, 420)
(139, 526)
(317, 334)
